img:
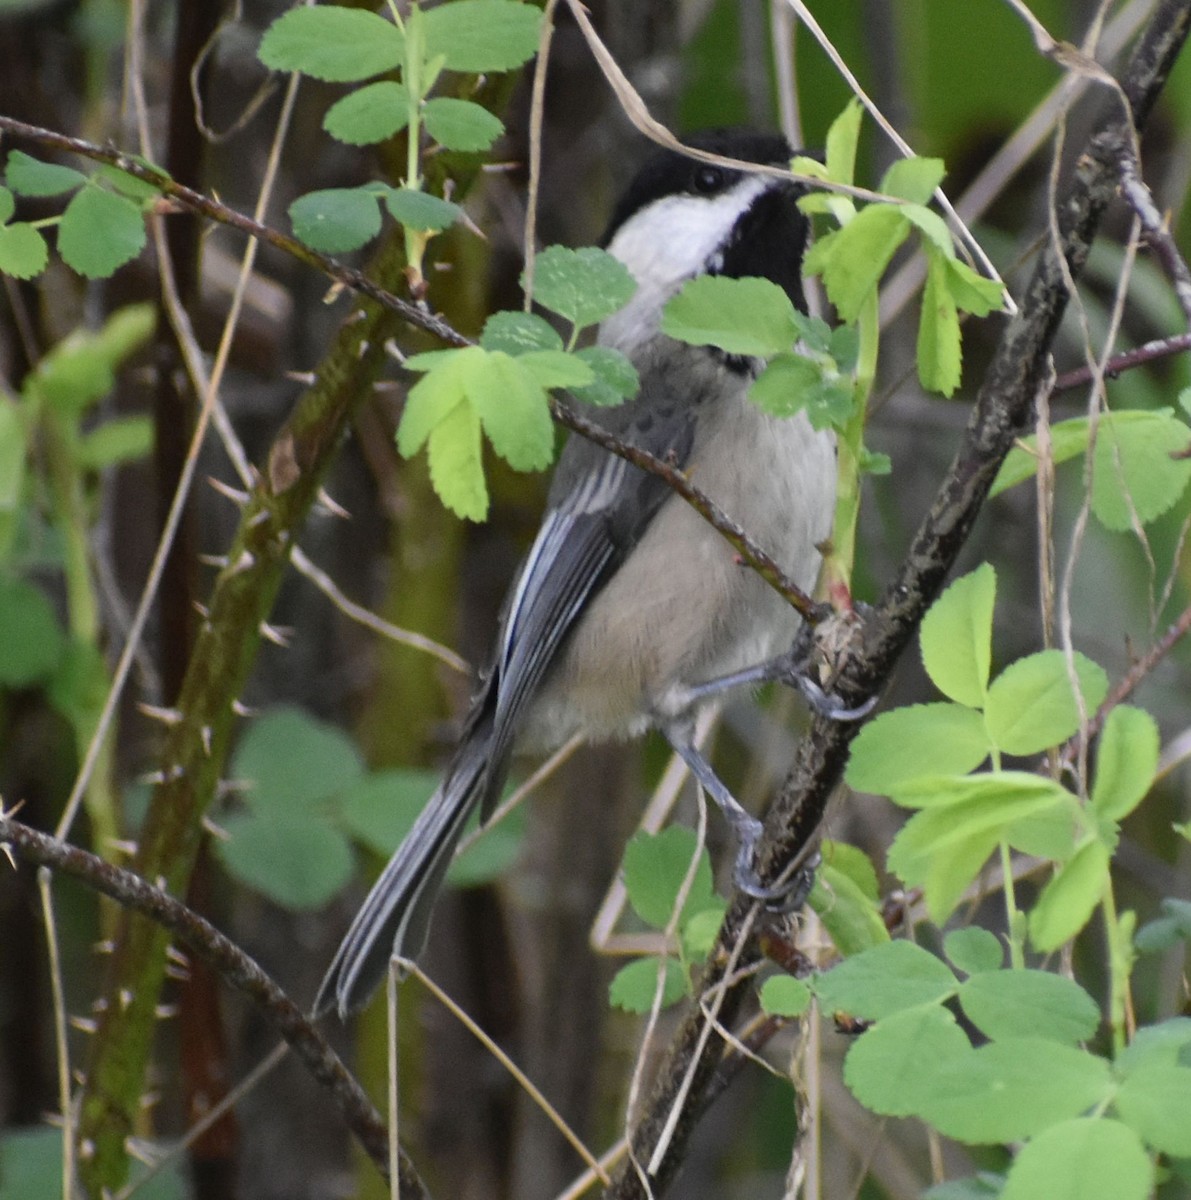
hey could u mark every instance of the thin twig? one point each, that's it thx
(527, 1084)
(62, 1047)
(1141, 356)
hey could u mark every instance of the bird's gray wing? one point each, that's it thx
(594, 519)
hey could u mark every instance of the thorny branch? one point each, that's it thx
(237, 968)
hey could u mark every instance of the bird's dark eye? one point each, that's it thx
(707, 179)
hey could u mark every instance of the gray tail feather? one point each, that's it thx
(395, 917)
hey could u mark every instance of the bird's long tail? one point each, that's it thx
(395, 917)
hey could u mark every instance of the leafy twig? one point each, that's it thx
(213, 210)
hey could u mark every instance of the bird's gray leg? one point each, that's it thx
(793, 669)
(746, 827)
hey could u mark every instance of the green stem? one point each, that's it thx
(840, 560)
(1120, 964)
(1014, 916)
(82, 614)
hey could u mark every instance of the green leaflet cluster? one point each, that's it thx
(348, 45)
(101, 228)
(498, 389)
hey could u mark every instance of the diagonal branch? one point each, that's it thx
(1002, 412)
(235, 967)
(422, 318)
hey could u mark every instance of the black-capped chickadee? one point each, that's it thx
(628, 601)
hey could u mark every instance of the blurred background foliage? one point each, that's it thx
(350, 712)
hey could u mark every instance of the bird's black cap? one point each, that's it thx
(669, 173)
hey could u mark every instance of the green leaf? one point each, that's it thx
(974, 950)
(370, 114)
(1137, 470)
(30, 1163)
(1003, 1004)
(1067, 439)
(299, 862)
(379, 809)
(435, 395)
(1155, 1102)
(293, 763)
(888, 1066)
(422, 211)
(1012, 1089)
(858, 256)
(80, 369)
(956, 637)
(100, 232)
(933, 228)
(8, 205)
(913, 179)
(943, 848)
(850, 914)
(1167, 1042)
(1167, 930)
(853, 863)
(23, 251)
(336, 219)
(785, 996)
(456, 463)
(555, 369)
(29, 177)
(119, 440)
(518, 333)
(79, 686)
(615, 378)
(786, 385)
(1031, 704)
(482, 35)
(584, 285)
(915, 741)
(33, 642)
(872, 463)
(971, 291)
(947, 877)
(655, 866)
(742, 316)
(700, 932)
(634, 987)
(138, 190)
(1081, 1159)
(985, 1186)
(939, 345)
(1126, 762)
(461, 124)
(884, 980)
(842, 139)
(513, 410)
(340, 45)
